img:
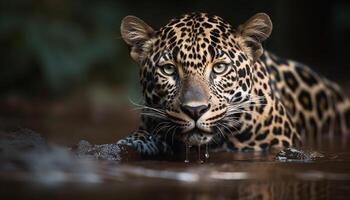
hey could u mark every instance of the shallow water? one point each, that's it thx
(58, 174)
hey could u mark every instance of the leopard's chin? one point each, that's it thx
(196, 137)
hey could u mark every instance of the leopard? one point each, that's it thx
(205, 82)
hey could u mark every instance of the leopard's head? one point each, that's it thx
(196, 70)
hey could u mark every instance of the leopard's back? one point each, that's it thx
(317, 105)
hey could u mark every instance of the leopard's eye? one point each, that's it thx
(168, 69)
(220, 68)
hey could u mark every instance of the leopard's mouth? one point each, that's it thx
(196, 137)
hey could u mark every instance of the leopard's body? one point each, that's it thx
(206, 82)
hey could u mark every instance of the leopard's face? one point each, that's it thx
(195, 74)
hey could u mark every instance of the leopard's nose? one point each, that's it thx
(195, 112)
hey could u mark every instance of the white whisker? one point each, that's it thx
(160, 126)
(153, 115)
(223, 135)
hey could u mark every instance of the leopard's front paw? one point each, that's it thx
(146, 145)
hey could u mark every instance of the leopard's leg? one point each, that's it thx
(146, 144)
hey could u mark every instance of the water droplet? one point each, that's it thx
(199, 154)
(187, 152)
(206, 151)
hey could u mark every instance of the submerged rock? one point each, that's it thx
(25, 150)
(21, 140)
(292, 154)
(17, 146)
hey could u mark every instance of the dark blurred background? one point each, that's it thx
(66, 73)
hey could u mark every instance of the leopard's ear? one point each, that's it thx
(254, 31)
(137, 34)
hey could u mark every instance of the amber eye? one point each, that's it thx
(220, 68)
(168, 69)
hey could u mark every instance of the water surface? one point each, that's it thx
(224, 175)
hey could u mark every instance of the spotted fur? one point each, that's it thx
(205, 82)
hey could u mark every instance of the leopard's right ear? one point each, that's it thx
(137, 34)
(253, 32)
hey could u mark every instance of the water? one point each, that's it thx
(54, 172)
(188, 148)
(243, 176)
(57, 173)
(206, 151)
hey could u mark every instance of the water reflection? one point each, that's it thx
(268, 190)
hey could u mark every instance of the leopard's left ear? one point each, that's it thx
(254, 31)
(137, 34)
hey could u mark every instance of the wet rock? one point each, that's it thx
(104, 151)
(112, 152)
(292, 154)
